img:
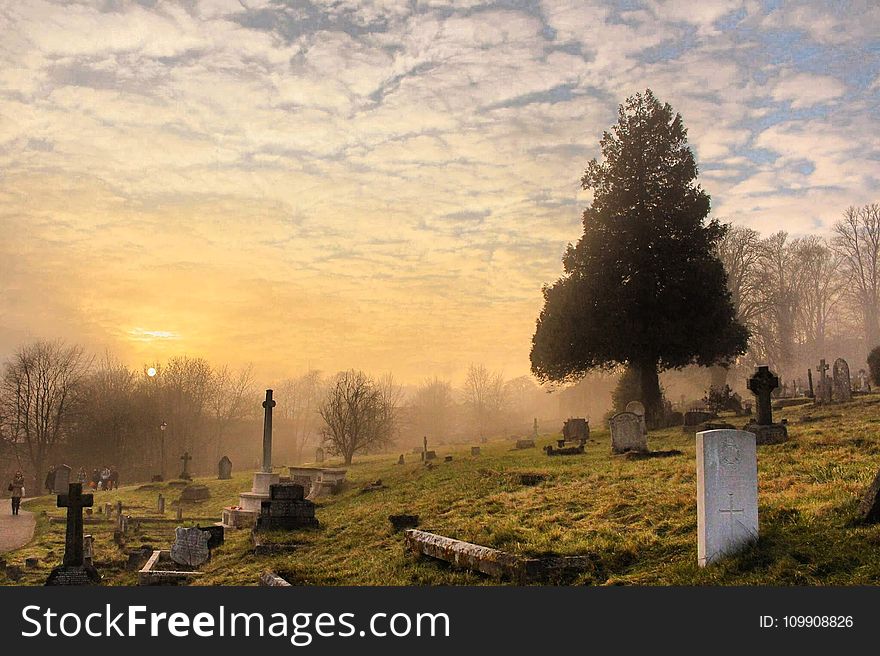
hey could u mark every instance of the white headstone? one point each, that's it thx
(88, 549)
(727, 493)
(627, 433)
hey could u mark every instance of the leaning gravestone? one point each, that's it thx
(841, 381)
(190, 547)
(627, 433)
(62, 479)
(727, 493)
(869, 506)
(224, 469)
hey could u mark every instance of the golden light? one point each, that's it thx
(151, 372)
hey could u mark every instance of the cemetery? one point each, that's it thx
(722, 509)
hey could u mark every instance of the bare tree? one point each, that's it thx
(356, 417)
(820, 289)
(39, 387)
(779, 280)
(231, 399)
(484, 397)
(857, 240)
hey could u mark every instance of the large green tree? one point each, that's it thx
(643, 287)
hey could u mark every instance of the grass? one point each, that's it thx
(635, 519)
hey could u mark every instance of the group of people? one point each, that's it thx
(105, 478)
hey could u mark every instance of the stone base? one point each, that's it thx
(74, 575)
(251, 501)
(262, 481)
(768, 433)
(238, 518)
(161, 570)
(525, 444)
(321, 489)
(195, 493)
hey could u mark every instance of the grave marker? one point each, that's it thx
(627, 433)
(73, 570)
(727, 493)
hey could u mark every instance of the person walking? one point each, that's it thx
(16, 487)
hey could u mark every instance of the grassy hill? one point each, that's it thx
(635, 519)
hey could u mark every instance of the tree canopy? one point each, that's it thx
(643, 286)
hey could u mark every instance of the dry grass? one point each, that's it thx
(636, 519)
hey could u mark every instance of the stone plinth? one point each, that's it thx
(286, 509)
(74, 575)
(195, 493)
(262, 482)
(768, 434)
(727, 493)
(238, 517)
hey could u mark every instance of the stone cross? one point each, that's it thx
(762, 384)
(74, 501)
(268, 404)
(186, 457)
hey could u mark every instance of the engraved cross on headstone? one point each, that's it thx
(74, 501)
(729, 511)
(268, 404)
(761, 384)
(186, 457)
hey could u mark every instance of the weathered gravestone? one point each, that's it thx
(638, 408)
(761, 384)
(195, 493)
(823, 387)
(190, 547)
(185, 475)
(74, 570)
(576, 429)
(401, 460)
(160, 505)
(62, 479)
(286, 509)
(841, 381)
(224, 469)
(319, 454)
(88, 549)
(627, 434)
(727, 493)
(869, 506)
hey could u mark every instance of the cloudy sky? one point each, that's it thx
(383, 185)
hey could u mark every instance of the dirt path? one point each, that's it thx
(15, 531)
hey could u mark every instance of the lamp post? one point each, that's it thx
(162, 428)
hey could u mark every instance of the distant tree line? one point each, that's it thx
(810, 297)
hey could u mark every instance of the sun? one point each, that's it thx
(151, 372)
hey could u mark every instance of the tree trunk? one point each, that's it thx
(651, 396)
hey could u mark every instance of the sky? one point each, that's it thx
(383, 185)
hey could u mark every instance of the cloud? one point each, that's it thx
(380, 184)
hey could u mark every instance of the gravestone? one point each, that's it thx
(841, 381)
(250, 502)
(727, 493)
(195, 493)
(185, 475)
(810, 393)
(869, 506)
(761, 384)
(693, 420)
(576, 429)
(400, 460)
(429, 455)
(224, 469)
(73, 570)
(627, 433)
(88, 549)
(286, 509)
(475, 450)
(638, 408)
(319, 454)
(190, 547)
(62, 479)
(118, 508)
(216, 535)
(160, 505)
(823, 387)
